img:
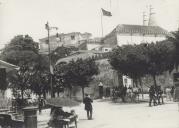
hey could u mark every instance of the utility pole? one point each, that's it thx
(48, 28)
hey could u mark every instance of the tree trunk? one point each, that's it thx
(83, 92)
(120, 79)
(135, 84)
(44, 94)
(52, 93)
(58, 93)
(70, 91)
(154, 79)
(142, 91)
(22, 94)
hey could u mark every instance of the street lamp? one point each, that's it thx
(48, 28)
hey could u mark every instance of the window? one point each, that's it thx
(105, 49)
(73, 37)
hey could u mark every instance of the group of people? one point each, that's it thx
(125, 93)
(155, 95)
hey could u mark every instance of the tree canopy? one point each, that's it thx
(24, 52)
(174, 37)
(61, 52)
(77, 73)
(137, 61)
(21, 50)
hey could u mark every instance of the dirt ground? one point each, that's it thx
(107, 114)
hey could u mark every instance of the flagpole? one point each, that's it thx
(102, 23)
(110, 4)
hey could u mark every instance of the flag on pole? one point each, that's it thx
(106, 13)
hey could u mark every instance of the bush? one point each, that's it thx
(5, 103)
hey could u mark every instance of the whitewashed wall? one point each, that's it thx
(124, 39)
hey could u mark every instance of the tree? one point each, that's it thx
(137, 61)
(129, 60)
(61, 52)
(160, 58)
(19, 82)
(174, 38)
(39, 76)
(78, 73)
(21, 50)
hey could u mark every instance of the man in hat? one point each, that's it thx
(88, 106)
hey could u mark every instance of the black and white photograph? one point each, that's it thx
(89, 63)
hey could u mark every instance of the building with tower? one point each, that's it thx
(125, 34)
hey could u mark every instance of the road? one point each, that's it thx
(125, 115)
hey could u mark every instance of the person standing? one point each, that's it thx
(41, 103)
(172, 91)
(152, 95)
(100, 90)
(159, 93)
(88, 106)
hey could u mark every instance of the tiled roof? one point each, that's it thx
(140, 29)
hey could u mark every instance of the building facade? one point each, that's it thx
(96, 44)
(90, 44)
(69, 39)
(135, 34)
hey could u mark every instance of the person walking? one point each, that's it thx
(88, 106)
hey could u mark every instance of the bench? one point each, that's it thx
(6, 120)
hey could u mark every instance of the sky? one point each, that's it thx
(30, 16)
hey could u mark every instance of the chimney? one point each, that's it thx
(144, 19)
(152, 20)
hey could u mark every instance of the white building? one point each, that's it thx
(135, 34)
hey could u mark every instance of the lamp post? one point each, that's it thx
(48, 28)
